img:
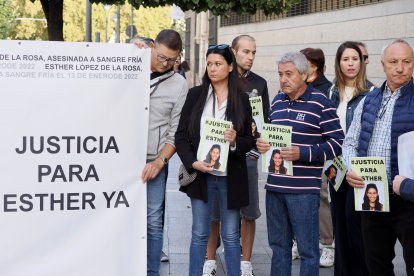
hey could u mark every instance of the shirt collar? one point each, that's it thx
(305, 96)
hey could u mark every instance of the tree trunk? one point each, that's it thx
(53, 10)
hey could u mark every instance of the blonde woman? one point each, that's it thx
(349, 88)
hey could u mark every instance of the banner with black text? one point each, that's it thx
(74, 119)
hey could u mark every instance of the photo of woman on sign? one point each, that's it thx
(371, 199)
(331, 173)
(276, 163)
(213, 157)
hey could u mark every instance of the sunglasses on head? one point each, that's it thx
(365, 57)
(218, 46)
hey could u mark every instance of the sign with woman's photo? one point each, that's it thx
(278, 137)
(374, 196)
(257, 114)
(214, 149)
(334, 170)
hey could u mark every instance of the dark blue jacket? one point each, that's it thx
(407, 189)
(402, 120)
(333, 95)
(322, 84)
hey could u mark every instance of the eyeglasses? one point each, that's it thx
(365, 57)
(162, 59)
(218, 46)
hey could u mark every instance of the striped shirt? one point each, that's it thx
(315, 130)
(380, 143)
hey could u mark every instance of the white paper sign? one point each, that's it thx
(73, 140)
(406, 154)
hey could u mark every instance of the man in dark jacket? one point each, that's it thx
(380, 118)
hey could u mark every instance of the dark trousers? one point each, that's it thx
(349, 247)
(380, 232)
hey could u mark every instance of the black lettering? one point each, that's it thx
(92, 173)
(52, 142)
(23, 150)
(41, 200)
(112, 145)
(59, 174)
(7, 202)
(43, 170)
(41, 145)
(108, 199)
(75, 170)
(85, 144)
(71, 200)
(121, 200)
(54, 201)
(25, 201)
(88, 198)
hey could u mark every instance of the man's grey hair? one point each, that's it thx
(399, 40)
(297, 58)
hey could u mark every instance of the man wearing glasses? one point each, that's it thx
(168, 92)
(363, 47)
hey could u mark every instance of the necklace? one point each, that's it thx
(348, 93)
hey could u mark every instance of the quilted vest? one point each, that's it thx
(402, 120)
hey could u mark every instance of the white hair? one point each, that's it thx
(399, 40)
(297, 58)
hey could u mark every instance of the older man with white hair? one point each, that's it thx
(386, 113)
(292, 201)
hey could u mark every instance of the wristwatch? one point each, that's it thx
(163, 159)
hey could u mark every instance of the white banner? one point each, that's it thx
(73, 139)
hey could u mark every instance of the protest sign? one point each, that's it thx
(374, 196)
(278, 137)
(74, 119)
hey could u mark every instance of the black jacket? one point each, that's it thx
(187, 146)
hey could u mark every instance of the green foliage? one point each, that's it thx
(150, 17)
(6, 18)
(149, 21)
(221, 7)
(32, 24)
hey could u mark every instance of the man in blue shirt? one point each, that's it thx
(292, 201)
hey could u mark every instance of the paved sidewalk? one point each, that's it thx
(177, 235)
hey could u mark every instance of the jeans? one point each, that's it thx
(216, 185)
(291, 215)
(155, 221)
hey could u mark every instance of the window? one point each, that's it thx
(303, 7)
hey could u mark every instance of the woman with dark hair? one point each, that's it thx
(276, 163)
(330, 173)
(255, 133)
(371, 199)
(349, 89)
(316, 77)
(218, 97)
(178, 68)
(213, 156)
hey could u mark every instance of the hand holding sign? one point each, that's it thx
(290, 153)
(230, 135)
(262, 145)
(354, 180)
